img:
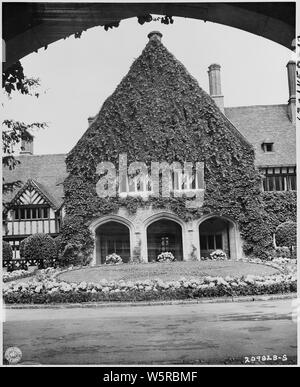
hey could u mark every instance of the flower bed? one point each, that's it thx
(45, 288)
(16, 274)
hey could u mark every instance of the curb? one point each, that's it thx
(267, 297)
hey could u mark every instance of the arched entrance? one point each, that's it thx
(218, 233)
(112, 237)
(164, 235)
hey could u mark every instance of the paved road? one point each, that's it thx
(160, 334)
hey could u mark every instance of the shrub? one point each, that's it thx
(286, 235)
(113, 259)
(283, 252)
(167, 256)
(7, 252)
(40, 246)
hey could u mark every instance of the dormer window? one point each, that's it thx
(267, 146)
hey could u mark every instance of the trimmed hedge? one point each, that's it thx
(7, 252)
(39, 246)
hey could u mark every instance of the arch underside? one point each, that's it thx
(164, 235)
(49, 22)
(217, 233)
(112, 237)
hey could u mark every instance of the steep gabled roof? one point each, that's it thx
(46, 172)
(158, 112)
(266, 123)
(34, 193)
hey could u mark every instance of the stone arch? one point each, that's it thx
(112, 221)
(28, 27)
(222, 233)
(164, 216)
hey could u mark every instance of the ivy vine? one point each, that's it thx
(159, 113)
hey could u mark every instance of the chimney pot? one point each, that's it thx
(291, 72)
(214, 76)
(27, 147)
(155, 35)
(91, 120)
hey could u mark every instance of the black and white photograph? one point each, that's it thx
(149, 186)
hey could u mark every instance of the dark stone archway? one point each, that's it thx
(217, 233)
(162, 236)
(112, 237)
(28, 27)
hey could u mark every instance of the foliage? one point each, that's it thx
(149, 18)
(166, 256)
(282, 252)
(13, 132)
(14, 79)
(15, 275)
(113, 259)
(49, 290)
(7, 252)
(159, 113)
(218, 255)
(280, 207)
(39, 246)
(111, 25)
(75, 243)
(286, 234)
(22, 248)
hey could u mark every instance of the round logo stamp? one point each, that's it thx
(13, 355)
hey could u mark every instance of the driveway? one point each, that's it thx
(215, 333)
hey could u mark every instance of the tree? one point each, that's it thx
(13, 132)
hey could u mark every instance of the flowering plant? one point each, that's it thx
(167, 256)
(113, 259)
(218, 255)
(16, 274)
(46, 287)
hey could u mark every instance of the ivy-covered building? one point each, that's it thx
(240, 186)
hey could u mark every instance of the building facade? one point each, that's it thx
(232, 144)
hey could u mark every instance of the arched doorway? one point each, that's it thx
(164, 235)
(217, 233)
(112, 237)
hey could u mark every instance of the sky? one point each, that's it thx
(77, 75)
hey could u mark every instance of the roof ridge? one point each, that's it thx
(43, 154)
(250, 106)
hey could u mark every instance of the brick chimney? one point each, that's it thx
(291, 108)
(27, 147)
(214, 76)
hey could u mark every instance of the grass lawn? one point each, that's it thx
(166, 271)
